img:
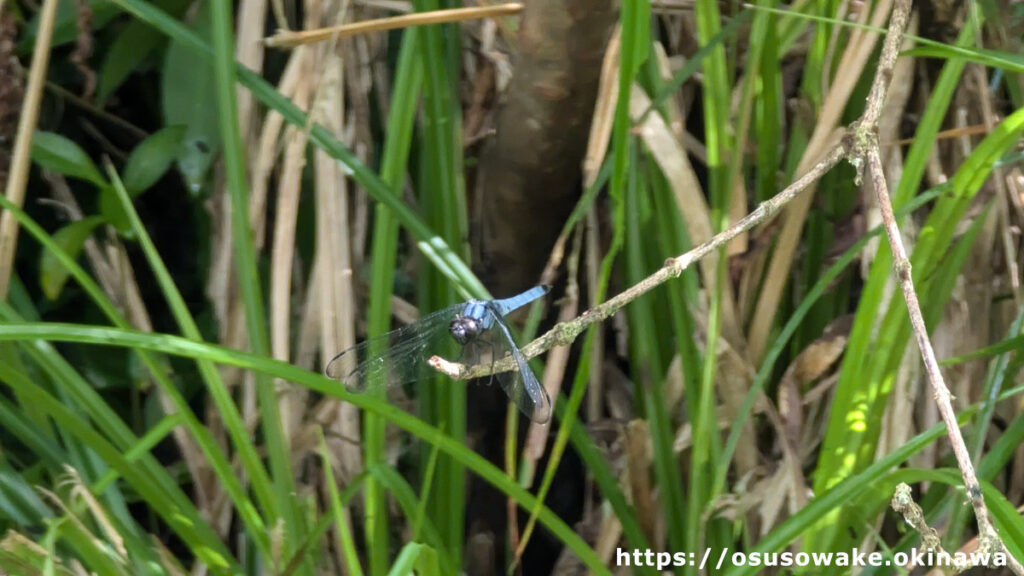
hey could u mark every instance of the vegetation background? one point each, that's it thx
(200, 236)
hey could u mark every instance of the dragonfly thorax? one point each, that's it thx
(464, 328)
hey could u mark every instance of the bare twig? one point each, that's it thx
(860, 146)
(567, 332)
(903, 503)
(865, 155)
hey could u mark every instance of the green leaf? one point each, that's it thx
(129, 50)
(151, 158)
(114, 214)
(416, 558)
(427, 564)
(1008, 345)
(188, 99)
(65, 26)
(640, 34)
(71, 238)
(126, 54)
(991, 58)
(57, 153)
(20, 503)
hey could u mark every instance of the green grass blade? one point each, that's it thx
(103, 414)
(177, 346)
(433, 247)
(345, 541)
(277, 444)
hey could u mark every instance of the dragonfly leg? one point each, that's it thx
(494, 360)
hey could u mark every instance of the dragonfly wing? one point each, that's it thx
(521, 384)
(523, 388)
(396, 358)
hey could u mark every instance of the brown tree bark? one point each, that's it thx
(530, 172)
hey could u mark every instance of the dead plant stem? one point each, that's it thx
(860, 146)
(866, 155)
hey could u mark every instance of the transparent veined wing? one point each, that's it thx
(520, 384)
(398, 357)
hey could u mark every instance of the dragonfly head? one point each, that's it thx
(464, 329)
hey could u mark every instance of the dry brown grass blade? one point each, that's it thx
(290, 39)
(791, 476)
(283, 250)
(855, 57)
(690, 201)
(21, 157)
(264, 156)
(638, 458)
(593, 270)
(249, 52)
(809, 365)
(334, 250)
(558, 360)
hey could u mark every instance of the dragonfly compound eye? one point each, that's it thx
(464, 329)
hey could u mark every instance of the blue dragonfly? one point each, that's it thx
(477, 326)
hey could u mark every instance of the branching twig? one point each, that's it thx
(866, 155)
(860, 146)
(566, 332)
(903, 503)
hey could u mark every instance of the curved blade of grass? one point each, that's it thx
(220, 394)
(178, 346)
(277, 444)
(416, 558)
(411, 507)
(782, 340)
(345, 542)
(433, 247)
(394, 162)
(167, 501)
(112, 424)
(1014, 344)
(442, 196)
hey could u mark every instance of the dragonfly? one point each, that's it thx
(476, 326)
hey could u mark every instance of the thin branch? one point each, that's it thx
(566, 332)
(903, 503)
(860, 146)
(866, 155)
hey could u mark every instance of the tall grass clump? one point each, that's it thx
(783, 239)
